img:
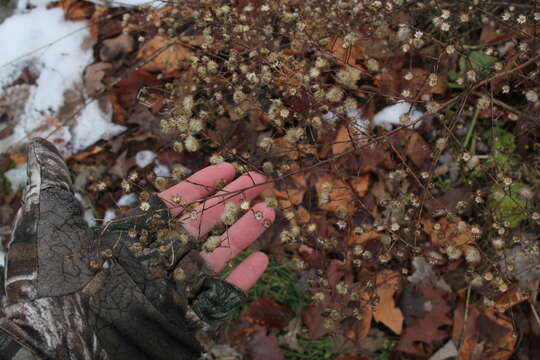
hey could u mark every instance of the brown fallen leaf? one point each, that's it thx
(444, 232)
(361, 184)
(112, 49)
(75, 10)
(388, 284)
(339, 197)
(88, 152)
(343, 142)
(166, 55)
(420, 83)
(488, 334)
(93, 77)
(361, 239)
(412, 145)
(350, 56)
(266, 312)
(289, 197)
(427, 312)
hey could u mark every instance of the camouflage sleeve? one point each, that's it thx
(137, 289)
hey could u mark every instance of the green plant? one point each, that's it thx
(279, 283)
(320, 349)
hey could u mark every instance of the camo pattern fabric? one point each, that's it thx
(136, 288)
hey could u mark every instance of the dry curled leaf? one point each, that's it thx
(343, 142)
(388, 284)
(112, 49)
(166, 55)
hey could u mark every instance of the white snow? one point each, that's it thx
(93, 126)
(161, 170)
(128, 200)
(391, 114)
(110, 214)
(89, 217)
(56, 51)
(16, 177)
(144, 158)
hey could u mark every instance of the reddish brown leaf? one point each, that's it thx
(166, 55)
(388, 284)
(424, 324)
(266, 312)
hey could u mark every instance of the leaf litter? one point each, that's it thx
(409, 226)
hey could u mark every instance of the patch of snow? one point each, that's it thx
(110, 214)
(128, 200)
(56, 51)
(89, 217)
(162, 170)
(330, 117)
(93, 126)
(24, 5)
(17, 177)
(390, 114)
(423, 273)
(144, 158)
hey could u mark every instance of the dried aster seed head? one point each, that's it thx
(191, 143)
(266, 143)
(335, 94)
(216, 159)
(178, 146)
(145, 206)
(453, 252)
(126, 186)
(211, 243)
(245, 205)
(271, 202)
(160, 183)
(230, 213)
(295, 134)
(472, 256)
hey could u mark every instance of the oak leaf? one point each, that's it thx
(166, 55)
(388, 284)
(427, 311)
(445, 232)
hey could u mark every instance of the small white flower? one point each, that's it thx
(521, 19)
(408, 76)
(506, 15)
(464, 17)
(450, 49)
(506, 89)
(445, 26)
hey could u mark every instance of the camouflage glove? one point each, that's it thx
(135, 289)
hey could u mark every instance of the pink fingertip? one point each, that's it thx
(249, 271)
